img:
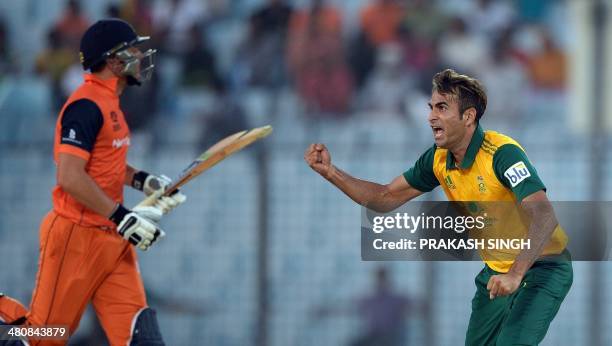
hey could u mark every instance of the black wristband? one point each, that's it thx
(119, 213)
(139, 179)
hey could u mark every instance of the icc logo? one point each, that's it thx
(116, 124)
(517, 173)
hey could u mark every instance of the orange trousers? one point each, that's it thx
(78, 265)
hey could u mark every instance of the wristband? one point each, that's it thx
(139, 179)
(118, 213)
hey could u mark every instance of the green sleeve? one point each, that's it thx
(421, 176)
(515, 171)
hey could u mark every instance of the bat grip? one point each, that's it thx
(150, 200)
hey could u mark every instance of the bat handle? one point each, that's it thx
(150, 200)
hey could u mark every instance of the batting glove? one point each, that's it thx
(138, 226)
(151, 184)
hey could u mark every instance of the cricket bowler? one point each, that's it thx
(515, 300)
(88, 239)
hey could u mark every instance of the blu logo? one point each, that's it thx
(517, 173)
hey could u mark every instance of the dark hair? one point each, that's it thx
(469, 91)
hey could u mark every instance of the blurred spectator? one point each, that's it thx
(419, 35)
(424, 21)
(491, 17)
(263, 51)
(225, 117)
(316, 59)
(384, 314)
(173, 21)
(512, 43)
(548, 64)
(4, 50)
(389, 86)
(421, 58)
(362, 56)
(321, 18)
(461, 50)
(139, 13)
(504, 75)
(53, 62)
(271, 18)
(113, 11)
(199, 68)
(138, 104)
(72, 24)
(380, 20)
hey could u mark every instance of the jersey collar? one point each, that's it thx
(470, 153)
(108, 84)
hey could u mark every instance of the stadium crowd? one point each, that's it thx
(377, 58)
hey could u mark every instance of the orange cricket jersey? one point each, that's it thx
(106, 163)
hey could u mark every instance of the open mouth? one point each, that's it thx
(437, 131)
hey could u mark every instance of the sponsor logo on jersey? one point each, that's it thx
(517, 173)
(71, 138)
(119, 142)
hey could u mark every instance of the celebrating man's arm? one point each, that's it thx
(543, 223)
(381, 198)
(531, 192)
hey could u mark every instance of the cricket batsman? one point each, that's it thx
(88, 239)
(515, 300)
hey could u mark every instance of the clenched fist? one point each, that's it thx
(503, 285)
(318, 158)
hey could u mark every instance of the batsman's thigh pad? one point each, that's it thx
(146, 330)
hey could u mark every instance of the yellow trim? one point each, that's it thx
(489, 146)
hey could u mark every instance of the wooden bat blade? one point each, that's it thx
(220, 153)
(213, 155)
(209, 152)
(222, 143)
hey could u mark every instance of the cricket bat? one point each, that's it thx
(213, 155)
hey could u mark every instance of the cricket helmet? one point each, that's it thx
(110, 38)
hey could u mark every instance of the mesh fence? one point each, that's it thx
(204, 278)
